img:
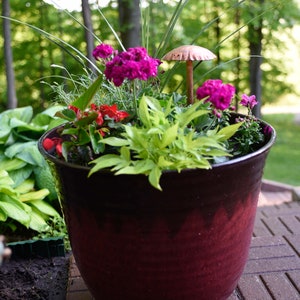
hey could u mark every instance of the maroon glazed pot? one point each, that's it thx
(191, 241)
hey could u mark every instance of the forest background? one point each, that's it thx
(243, 34)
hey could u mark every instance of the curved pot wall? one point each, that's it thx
(191, 241)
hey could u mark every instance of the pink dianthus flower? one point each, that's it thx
(218, 93)
(103, 51)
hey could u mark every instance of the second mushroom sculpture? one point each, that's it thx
(189, 53)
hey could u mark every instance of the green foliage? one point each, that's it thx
(283, 161)
(56, 228)
(217, 25)
(22, 200)
(164, 141)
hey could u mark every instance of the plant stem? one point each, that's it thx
(189, 81)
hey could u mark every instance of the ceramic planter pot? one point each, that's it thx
(191, 241)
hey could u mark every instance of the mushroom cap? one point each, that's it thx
(189, 52)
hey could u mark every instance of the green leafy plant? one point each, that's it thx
(159, 132)
(27, 193)
(163, 141)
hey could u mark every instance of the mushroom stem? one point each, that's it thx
(189, 81)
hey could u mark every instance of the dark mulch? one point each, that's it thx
(38, 278)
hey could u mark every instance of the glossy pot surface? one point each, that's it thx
(191, 241)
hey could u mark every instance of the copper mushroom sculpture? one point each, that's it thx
(189, 53)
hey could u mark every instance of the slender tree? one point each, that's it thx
(88, 31)
(255, 47)
(130, 22)
(12, 101)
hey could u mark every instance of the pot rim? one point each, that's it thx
(233, 161)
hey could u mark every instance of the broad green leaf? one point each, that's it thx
(37, 221)
(43, 207)
(37, 195)
(11, 207)
(11, 164)
(96, 138)
(18, 176)
(83, 137)
(25, 187)
(67, 114)
(27, 152)
(23, 114)
(8, 191)
(83, 122)
(3, 216)
(5, 178)
(83, 101)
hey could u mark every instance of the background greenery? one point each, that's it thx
(283, 163)
(225, 27)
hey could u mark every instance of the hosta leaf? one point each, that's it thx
(37, 221)
(25, 187)
(3, 216)
(12, 208)
(18, 176)
(5, 179)
(43, 207)
(37, 195)
(7, 190)
(11, 164)
(27, 152)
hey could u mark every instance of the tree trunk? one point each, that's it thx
(255, 45)
(12, 101)
(130, 22)
(88, 31)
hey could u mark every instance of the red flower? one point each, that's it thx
(99, 119)
(113, 112)
(121, 115)
(48, 144)
(109, 111)
(54, 144)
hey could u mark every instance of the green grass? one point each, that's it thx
(283, 162)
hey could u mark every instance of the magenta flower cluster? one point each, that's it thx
(216, 92)
(135, 63)
(103, 51)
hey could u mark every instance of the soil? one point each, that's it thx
(37, 278)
